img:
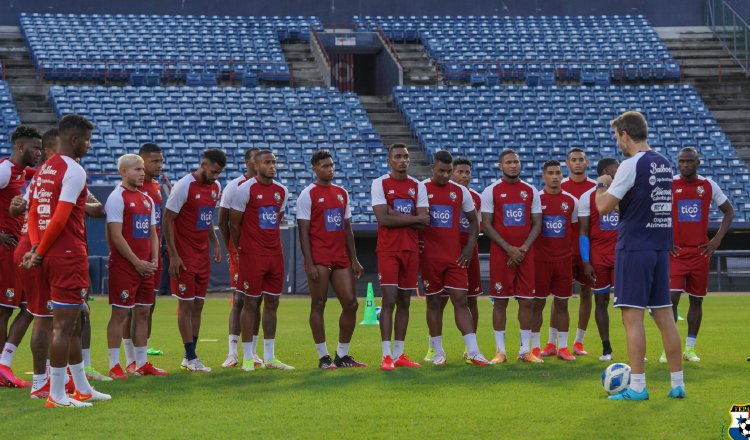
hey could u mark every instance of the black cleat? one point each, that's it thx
(325, 363)
(347, 362)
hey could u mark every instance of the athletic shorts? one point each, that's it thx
(511, 282)
(127, 288)
(398, 269)
(260, 274)
(192, 283)
(689, 272)
(333, 263)
(475, 275)
(10, 296)
(604, 268)
(233, 276)
(439, 274)
(68, 279)
(578, 274)
(642, 279)
(553, 278)
(30, 283)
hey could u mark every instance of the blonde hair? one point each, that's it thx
(128, 161)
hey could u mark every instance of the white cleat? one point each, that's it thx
(605, 357)
(248, 366)
(196, 366)
(439, 359)
(184, 364)
(257, 360)
(96, 396)
(231, 361)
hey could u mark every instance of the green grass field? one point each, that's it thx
(553, 400)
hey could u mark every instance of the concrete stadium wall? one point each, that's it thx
(659, 12)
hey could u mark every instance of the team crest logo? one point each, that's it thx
(246, 285)
(411, 192)
(524, 195)
(260, 196)
(49, 305)
(277, 196)
(132, 205)
(236, 278)
(10, 293)
(84, 292)
(197, 196)
(213, 194)
(498, 286)
(340, 197)
(564, 206)
(452, 195)
(739, 427)
(146, 204)
(182, 288)
(321, 200)
(426, 284)
(380, 277)
(700, 190)
(124, 295)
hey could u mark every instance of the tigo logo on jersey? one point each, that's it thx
(608, 222)
(404, 206)
(441, 216)
(514, 214)
(205, 217)
(554, 226)
(141, 225)
(268, 217)
(689, 210)
(334, 220)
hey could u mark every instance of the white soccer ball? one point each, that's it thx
(616, 378)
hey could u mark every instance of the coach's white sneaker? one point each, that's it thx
(231, 361)
(196, 366)
(605, 357)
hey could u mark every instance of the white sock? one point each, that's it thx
(141, 356)
(386, 346)
(342, 349)
(129, 351)
(255, 345)
(638, 382)
(689, 342)
(525, 341)
(677, 379)
(437, 342)
(398, 349)
(114, 357)
(472, 348)
(268, 354)
(500, 341)
(247, 351)
(57, 377)
(579, 335)
(46, 369)
(552, 336)
(86, 352)
(562, 339)
(322, 349)
(38, 381)
(233, 341)
(8, 352)
(79, 378)
(535, 339)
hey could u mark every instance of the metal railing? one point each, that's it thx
(731, 29)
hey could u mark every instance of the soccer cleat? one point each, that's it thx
(130, 368)
(605, 357)
(70, 387)
(677, 393)
(477, 359)
(71, 403)
(529, 357)
(565, 355)
(326, 363)
(629, 394)
(536, 351)
(92, 374)
(387, 364)
(154, 352)
(549, 350)
(117, 373)
(184, 364)
(248, 365)
(276, 364)
(196, 366)
(93, 396)
(257, 360)
(467, 361)
(663, 358)
(148, 369)
(41, 393)
(430, 355)
(6, 373)
(404, 361)
(690, 356)
(347, 362)
(439, 359)
(231, 361)
(500, 358)
(579, 350)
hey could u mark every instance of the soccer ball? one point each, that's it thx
(616, 378)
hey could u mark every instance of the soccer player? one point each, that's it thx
(26, 144)
(400, 205)
(692, 195)
(553, 258)
(512, 220)
(330, 257)
(225, 207)
(258, 208)
(58, 240)
(133, 261)
(188, 229)
(444, 260)
(642, 191)
(597, 240)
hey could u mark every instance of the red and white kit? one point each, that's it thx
(554, 250)
(226, 203)
(326, 208)
(602, 240)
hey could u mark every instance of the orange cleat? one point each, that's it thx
(529, 357)
(579, 350)
(549, 350)
(500, 358)
(149, 370)
(565, 355)
(72, 403)
(70, 387)
(41, 393)
(117, 373)
(130, 368)
(6, 373)
(536, 352)
(94, 396)
(387, 364)
(478, 359)
(404, 361)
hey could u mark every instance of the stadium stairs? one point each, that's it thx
(722, 84)
(303, 68)
(419, 69)
(29, 94)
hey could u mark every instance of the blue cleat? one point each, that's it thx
(677, 393)
(629, 394)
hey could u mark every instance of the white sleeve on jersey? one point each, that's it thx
(285, 199)
(304, 205)
(584, 204)
(467, 204)
(422, 201)
(488, 204)
(574, 216)
(73, 183)
(378, 196)
(115, 206)
(348, 213)
(178, 196)
(717, 195)
(5, 173)
(536, 202)
(153, 209)
(242, 196)
(624, 179)
(227, 195)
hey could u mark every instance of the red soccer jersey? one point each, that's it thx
(226, 200)
(477, 198)
(263, 206)
(152, 188)
(12, 181)
(326, 207)
(512, 205)
(405, 196)
(194, 202)
(576, 189)
(442, 238)
(690, 204)
(135, 211)
(602, 227)
(559, 216)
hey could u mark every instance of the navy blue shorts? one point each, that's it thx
(642, 279)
